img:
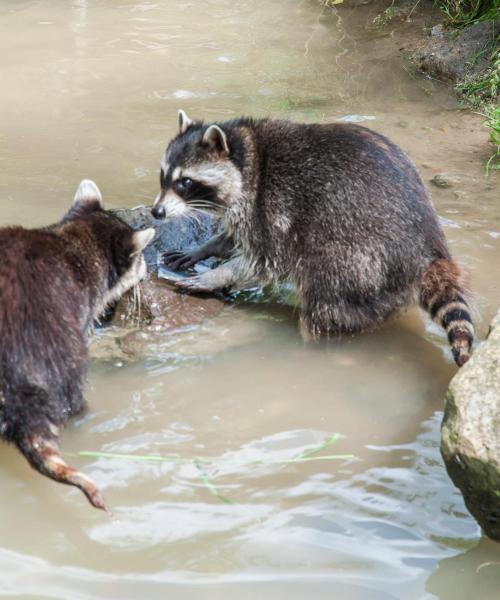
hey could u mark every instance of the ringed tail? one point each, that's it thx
(43, 455)
(445, 298)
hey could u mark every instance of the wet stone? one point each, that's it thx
(171, 234)
(155, 306)
(470, 442)
(443, 180)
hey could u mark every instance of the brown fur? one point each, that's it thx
(53, 283)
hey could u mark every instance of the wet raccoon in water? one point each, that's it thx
(336, 209)
(53, 283)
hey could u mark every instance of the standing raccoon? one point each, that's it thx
(337, 209)
(53, 283)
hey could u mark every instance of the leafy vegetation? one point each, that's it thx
(481, 91)
(485, 87)
(461, 13)
(493, 123)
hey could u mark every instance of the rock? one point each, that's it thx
(449, 55)
(437, 31)
(145, 314)
(470, 442)
(172, 234)
(443, 180)
(157, 301)
(214, 329)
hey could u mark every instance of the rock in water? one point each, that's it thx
(470, 442)
(160, 303)
(172, 234)
(155, 298)
(142, 314)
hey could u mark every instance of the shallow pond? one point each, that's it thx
(91, 89)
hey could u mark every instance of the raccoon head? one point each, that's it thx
(198, 170)
(120, 248)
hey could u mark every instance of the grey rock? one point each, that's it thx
(143, 315)
(171, 234)
(437, 31)
(155, 299)
(470, 442)
(443, 180)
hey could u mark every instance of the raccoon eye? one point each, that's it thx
(181, 186)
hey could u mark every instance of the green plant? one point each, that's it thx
(461, 13)
(483, 88)
(493, 123)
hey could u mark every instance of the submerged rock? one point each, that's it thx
(470, 442)
(443, 180)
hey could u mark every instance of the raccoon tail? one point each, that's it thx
(445, 298)
(42, 452)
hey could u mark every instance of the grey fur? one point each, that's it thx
(337, 209)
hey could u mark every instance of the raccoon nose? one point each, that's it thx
(158, 211)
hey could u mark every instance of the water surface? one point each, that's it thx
(91, 89)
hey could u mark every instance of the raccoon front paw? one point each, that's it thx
(180, 261)
(196, 284)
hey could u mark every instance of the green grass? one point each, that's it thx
(493, 123)
(483, 89)
(460, 13)
(482, 92)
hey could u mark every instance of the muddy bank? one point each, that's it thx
(434, 44)
(470, 442)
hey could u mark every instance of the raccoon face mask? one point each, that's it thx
(198, 171)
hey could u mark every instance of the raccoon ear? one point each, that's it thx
(88, 194)
(184, 122)
(216, 138)
(142, 238)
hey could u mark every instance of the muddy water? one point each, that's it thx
(91, 89)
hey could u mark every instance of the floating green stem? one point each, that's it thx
(200, 463)
(328, 442)
(210, 485)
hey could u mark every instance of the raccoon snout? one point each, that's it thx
(158, 211)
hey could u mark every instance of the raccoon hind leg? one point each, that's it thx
(318, 318)
(443, 295)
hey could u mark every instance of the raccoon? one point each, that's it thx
(336, 209)
(54, 282)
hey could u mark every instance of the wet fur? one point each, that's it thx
(53, 283)
(337, 209)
